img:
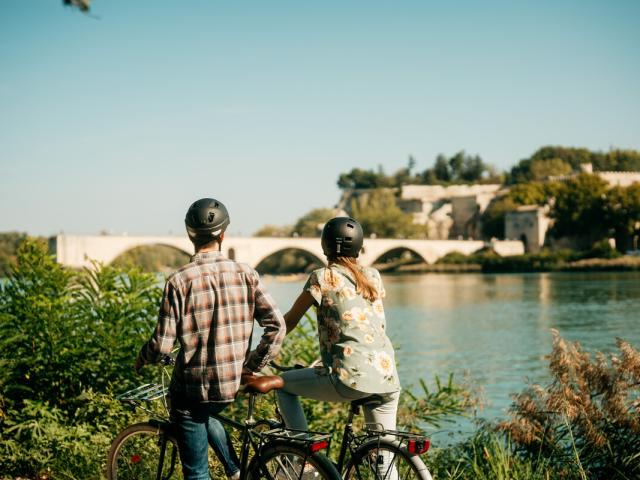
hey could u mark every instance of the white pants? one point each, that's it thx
(306, 382)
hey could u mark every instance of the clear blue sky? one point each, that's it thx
(118, 123)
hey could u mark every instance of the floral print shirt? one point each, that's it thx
(353, 343)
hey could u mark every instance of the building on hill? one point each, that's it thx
(529, 224)
(451, 211)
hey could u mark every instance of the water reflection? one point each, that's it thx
(497, 327)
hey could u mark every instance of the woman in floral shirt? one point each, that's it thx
(357, 356)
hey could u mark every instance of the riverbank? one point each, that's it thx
(523, 264)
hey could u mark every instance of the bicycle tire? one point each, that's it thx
(281, 460)
(382, 459)
(135, 454)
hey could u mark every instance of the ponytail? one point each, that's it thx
(363, 285)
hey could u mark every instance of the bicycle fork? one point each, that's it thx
(163, 440)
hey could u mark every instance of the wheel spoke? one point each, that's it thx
(385, 461)
(144, 453)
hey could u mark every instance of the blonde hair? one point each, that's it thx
(363, 285)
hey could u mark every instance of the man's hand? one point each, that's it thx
(138, 365)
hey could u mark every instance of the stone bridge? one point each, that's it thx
(78, 250)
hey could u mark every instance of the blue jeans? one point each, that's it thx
(196, 429)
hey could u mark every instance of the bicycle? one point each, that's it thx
(377, 454)
(149, 449)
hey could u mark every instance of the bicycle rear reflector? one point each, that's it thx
(317, 446)
(418, 446)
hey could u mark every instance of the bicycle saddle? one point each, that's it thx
(371, 400)
(261, 384)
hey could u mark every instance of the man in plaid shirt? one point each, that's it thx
(209, 306)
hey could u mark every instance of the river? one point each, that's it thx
(496, 329)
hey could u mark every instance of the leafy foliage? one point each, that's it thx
(9, 243)
(274, 231)
(578, 208)
(622, 215)
(533, 193)
(311, 224)
(69, 338)
(288, 261)
(379, 214)
(556, 160)
(152, 258)
(459, 168)
(359, 178)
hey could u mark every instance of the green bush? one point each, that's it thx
(601, 249)
(455, 258)
(68, 339)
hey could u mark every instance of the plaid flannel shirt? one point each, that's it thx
(209, 306)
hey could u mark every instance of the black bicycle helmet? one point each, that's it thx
(206, 218)
(342, 237)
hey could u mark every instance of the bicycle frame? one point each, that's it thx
(251, 440)
(349, 440)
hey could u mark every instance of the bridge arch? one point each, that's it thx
(399, 250)
(147, 245)
(296, 260)
(378, 249)
(153, 257)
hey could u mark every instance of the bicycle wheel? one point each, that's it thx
(380, 459)
(143, 451)
(280, 460)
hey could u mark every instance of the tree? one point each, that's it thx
(359, 178)
(534, 193)
(441, 169)
(556, 160)
(9, 243)
(460, 168)
(622, 214)
(152, 258)
(550, 160)
(579, 210)
(543, 169)
(379, 214)
(618, 160)
(456, 164)
(311, 224)
(493, 217)
(274, 231)
(571, 155)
